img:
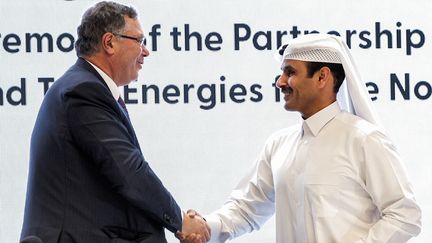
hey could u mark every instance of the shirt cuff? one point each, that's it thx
(215, 225)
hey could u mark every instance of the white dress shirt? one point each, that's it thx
(335, 179)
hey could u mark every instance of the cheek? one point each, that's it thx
(290, 82)
(295, 83)
(131, 55)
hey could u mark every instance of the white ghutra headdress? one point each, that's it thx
(352, 96)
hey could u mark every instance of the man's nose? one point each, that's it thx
(145, 51)
(281, 81)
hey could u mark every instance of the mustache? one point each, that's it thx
(286, 89)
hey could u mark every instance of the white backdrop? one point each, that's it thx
(199, 148)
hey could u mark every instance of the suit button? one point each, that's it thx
(167, 218)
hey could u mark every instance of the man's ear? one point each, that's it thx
(324, 76)
(108, 43)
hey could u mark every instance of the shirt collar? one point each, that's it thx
(111, 84)
(316, 122)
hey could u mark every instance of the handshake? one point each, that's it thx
(194, 229)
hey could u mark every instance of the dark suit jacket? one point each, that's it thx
(88, 180)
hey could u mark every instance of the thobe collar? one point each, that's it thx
(315, 123)
(111, 84)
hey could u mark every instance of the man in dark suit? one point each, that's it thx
(88, 179)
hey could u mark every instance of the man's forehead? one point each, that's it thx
(293, 63)
(132, 24)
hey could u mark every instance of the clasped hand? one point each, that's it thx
(194, 229)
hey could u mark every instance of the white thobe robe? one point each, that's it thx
(335, 179)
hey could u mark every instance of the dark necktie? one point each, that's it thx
(123, 105)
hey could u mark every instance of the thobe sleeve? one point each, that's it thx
(387, 183)
(250, 204)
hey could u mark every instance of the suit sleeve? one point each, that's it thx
(96, 125)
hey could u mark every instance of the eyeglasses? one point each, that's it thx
(140, 40)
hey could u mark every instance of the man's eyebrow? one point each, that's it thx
(288, 68)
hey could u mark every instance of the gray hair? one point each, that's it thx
(101, 18)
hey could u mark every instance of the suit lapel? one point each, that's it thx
(81, 62)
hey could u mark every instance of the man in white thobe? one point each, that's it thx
(335, 178)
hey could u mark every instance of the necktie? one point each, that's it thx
(123, 105)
